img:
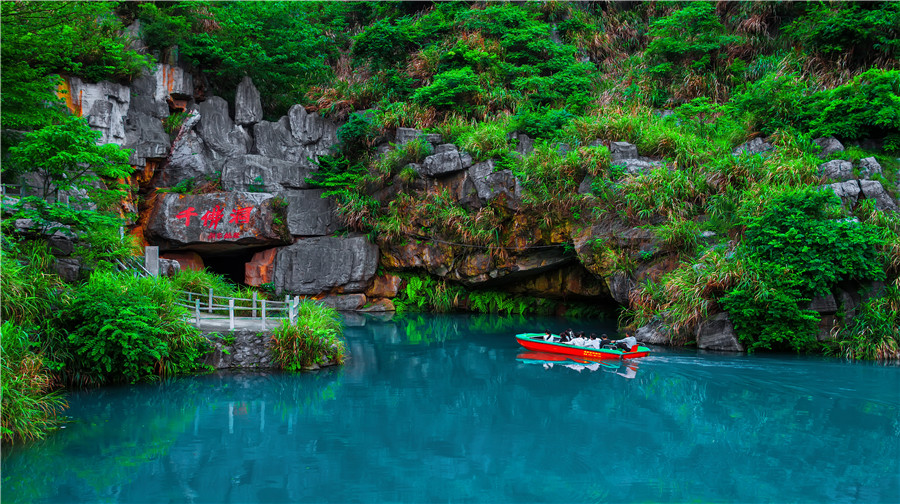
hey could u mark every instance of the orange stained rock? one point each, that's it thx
(261, 268)
(64, 92)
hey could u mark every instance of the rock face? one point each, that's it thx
(104, 104)
(754, 146)
(852, 191)
(309, 214)
(256, 173)
(837, 169)
(483, 184)
(828, 146)
(445, 160)
(315, 265)
(249, 349)
(247, 104)
(717, 333)
(217, 222)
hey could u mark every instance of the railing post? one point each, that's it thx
(197, 311)
(253, 313)
(151, 260)
(231, 314)
(290, 309)
(263, 314)
(210, 300)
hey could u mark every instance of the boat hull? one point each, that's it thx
(536, 342)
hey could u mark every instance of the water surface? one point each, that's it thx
(451, 409)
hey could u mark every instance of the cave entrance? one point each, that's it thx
(230, 265)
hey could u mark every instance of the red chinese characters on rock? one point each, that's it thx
(213, 217)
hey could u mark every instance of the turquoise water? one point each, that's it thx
(448, 409)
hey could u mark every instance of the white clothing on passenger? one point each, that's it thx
(577, 341)
(594, 343)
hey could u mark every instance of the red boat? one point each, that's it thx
(536, 342)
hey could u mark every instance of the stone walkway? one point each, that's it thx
(212, 323)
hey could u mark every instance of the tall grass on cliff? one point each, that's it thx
(315, 338)
(29, 404)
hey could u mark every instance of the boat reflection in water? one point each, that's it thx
(626, 369)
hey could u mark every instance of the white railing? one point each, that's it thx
(263, 309)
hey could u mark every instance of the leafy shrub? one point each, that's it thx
(384, 44)
(801, 230)
(313, 339)
(864, 29)
(875, 331)
(867, 106)
(542, 124)
(29, 407)
(691, 35)
(768, 312)
(125, 329)
(358, 134)
(451, 89)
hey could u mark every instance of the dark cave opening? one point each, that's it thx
(230, 265)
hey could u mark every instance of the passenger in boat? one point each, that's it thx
(578, 340)
(548, 336)
(626, 343)
(604, 340)
(566, 336)
(593, 342)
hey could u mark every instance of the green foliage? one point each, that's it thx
(863, 29)
(768, 311)
(801, 230)
(358, 134)
(277, 44)
(867, 106)
(43, 39)
(875, 331)
(691, 33)
(29, 407)
(458, 89)
(542, 124)
(125, 329)
(314, 338)
(66, 157)
(427, 293)
(385, 44)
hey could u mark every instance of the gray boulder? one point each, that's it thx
(837, 169)
(620, 151)
(754, 146)
(144, 134)
(312, 130)
(637, 166)
(586, 186)
(869, 166)
(312, 266)
(872, 189)
(190, 158)
(848, 192)
(489, 184)
(169, 267)
(309, 214)
(247, 105)
(653, 333)
(224, 139)
(445, 160)
(68, 269)
(717, 333)
(216, 222)
(105, 105)
(274, 140)
(524, 145)
(256, 173)
(828, 146)
(404, 135)
(143, 97)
